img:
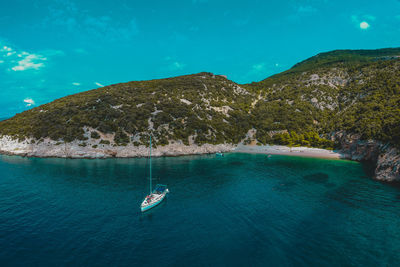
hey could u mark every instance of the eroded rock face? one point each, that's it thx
(385, 157)
(388, 165)
(355, 149)
(50, 148)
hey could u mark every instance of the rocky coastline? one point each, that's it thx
(75, 149)
(385, 158)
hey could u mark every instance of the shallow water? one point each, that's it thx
(240, 209)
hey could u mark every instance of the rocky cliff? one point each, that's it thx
(384, 157)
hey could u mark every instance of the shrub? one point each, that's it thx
(104, 142)
(94, 135)
(121, 138)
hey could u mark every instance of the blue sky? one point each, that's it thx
(49, 49)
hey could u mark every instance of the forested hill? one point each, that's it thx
(345, 57)
(357, 91)
(199, 108)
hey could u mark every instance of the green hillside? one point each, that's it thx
(176, 108)
(357, 91)
(363, 98)
(344, 58)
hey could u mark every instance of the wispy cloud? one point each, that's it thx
(19, 60)
(173, 64)
(300, 11)
(29, 61)
(177, 65)
(99, 84)
(29, 102)
(261, 70)
(82, 24)
(76, 84)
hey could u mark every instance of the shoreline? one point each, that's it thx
(386, 162)
(289, 151)
(74, 150)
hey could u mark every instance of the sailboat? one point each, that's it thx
(156, 196)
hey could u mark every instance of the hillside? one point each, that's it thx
(360, 98)
(199, 108)
(328, 100)
(352, 90)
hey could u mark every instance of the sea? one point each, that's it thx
(236, 210)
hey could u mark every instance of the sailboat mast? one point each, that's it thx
(150, 165)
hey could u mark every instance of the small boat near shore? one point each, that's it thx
(219, 154)
(155, 196)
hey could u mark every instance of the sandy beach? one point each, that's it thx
(289, 151)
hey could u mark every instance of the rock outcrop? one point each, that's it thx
(385, 157)
(50, 148)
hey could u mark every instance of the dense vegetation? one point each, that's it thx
(357, 91)
(359, 96)
(182, 108)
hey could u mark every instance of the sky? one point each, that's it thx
(50, 49)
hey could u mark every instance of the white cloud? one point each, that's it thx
(362, 21)
(29, 102)
(30, 61)
(21, 60)
(76, 84)
(6, 48)
(364, 25)
(99, 84)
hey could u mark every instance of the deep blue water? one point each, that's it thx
(239, 210)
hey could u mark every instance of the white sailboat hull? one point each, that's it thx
(153, 200)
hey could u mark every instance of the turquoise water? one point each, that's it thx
(237, 210)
